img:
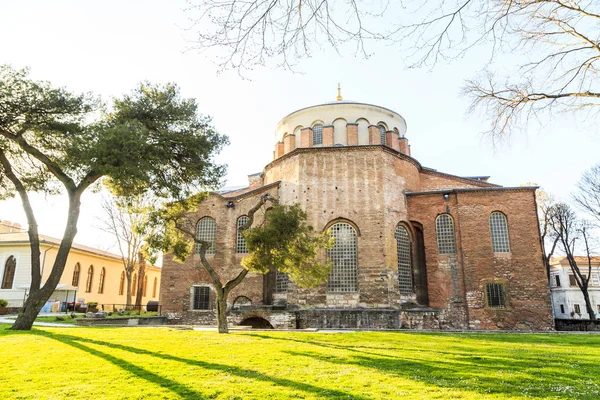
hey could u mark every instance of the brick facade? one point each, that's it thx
(374, 188)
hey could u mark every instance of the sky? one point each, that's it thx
(108, 47)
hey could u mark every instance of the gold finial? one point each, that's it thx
(339, 96)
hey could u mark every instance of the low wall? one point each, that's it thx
(577, 325)
(122, 321)
(279, 319)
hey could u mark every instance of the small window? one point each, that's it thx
(598, 308)
(317, 135)
(122, 284)
(577, 309)
(573, 281)
(201, 297)
(281, 282)
(562, 308)
(444, 226)
(76, 272)
(206, 230)
(241, 247)
(495, 295)
(90, 279)
(382, 133)
(101, 281)
(499, 232)
(595, 280)
(154, 287)
(557, 280)
(9, 272)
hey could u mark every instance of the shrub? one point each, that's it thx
(3, 303)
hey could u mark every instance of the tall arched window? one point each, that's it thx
(404, 259)
(499, 232)
(444, 228)
(206, 230)
(342, 277)
(134, 285)
(76, 272)
(317, 134)
(240, 241)
(101, 281)
(382, 133)
(90, 278)
(145, 285)
(8, 278)
(122, 283)
(154, 287)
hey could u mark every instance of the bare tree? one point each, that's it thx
(546, 203)
(557, 41)
(572, 235)
(588, 193)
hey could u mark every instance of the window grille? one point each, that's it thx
(444, 226)
(201, 297)
(9, 273)
(577, 309)
(404, 260)
(154, 286)
(342, 277)
(317, 135)
(206, 230)
(76, 272)
(240, 241)
(495, 295)
(281, 282)
(101, 281)
(122, 284)
(557, 280)
(499, 231)
(90, 278)
(382, 133)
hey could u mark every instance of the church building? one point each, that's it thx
(415, 248)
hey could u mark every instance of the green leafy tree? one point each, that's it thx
(54, 141)
(281, 241)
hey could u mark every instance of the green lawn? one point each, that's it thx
(164, 363)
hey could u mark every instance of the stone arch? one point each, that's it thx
(342, 219)
(241, 301)
(339, 131)
(256, 322)
(317, 122)
(363, 130)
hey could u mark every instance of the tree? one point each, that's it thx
(556, 42)
(55, 141)
(128, 220)
(569, 231)
(588, 193)
(546, 204)
(282, 241)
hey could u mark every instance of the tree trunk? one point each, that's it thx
(588, 304)
(128, 296)
(222, 312)
(140, 286)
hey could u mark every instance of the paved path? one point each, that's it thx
(4, 320)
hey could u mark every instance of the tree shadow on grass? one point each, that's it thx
(178, 388)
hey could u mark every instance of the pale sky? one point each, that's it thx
(109, 46)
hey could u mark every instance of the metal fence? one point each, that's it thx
(150, 307)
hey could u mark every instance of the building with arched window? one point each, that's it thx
(415, 247)
(90, 274)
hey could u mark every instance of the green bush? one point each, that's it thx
(3, 303)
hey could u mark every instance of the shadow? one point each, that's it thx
(177, 387)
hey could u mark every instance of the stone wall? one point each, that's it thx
(577, 325)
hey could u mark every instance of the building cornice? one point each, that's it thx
(472, 181)
(252, 192)
(474, 190)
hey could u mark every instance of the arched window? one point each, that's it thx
(342, 277)
(382, 133)
(76, 272)
(122, 284)
(145, 286)
(444, 228)
(317, 134)
(404, 260)
(101, 281)
(240, 241)
(206, 230)
(90, 278)
(9, 272)
(134, 285)
(154, 287)
(499, 232)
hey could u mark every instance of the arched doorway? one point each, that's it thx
(257, 322)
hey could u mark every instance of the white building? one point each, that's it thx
(567, 299)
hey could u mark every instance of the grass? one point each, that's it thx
(63, 319)
(164, 363)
